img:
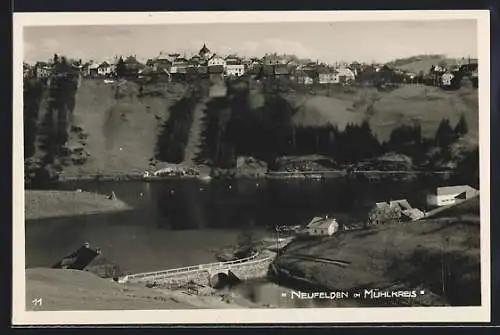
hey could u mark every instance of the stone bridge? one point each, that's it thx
(212, 274)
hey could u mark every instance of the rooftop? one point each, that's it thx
(204, 49)
(320, 222)
(402, 202)
(381, 205)
(453, 190)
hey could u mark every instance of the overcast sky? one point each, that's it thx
(329, 42)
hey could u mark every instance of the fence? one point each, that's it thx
(192, 269)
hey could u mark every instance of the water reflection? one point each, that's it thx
(175, 222)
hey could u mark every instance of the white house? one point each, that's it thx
(450, 195)
(344, 75)
(234, 66)
(216, 60)
(104, 69)
(322, 226)
(42, 70)
(179, 65)
(326, 76)
(447, 78)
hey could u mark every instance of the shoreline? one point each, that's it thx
(44, 204)
(269, 175)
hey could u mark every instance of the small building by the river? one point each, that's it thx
(322, 226)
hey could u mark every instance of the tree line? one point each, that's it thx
(233, 129)
(174, 136)
(52, 130)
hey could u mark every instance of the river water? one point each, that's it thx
(178, 223)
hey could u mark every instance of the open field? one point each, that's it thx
(442, 255)
(387, 110)
(47, 204)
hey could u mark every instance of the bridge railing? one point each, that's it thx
(159, 276)
(194, 268)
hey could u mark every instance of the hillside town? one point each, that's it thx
(206, 64)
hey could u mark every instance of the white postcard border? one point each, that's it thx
(216, 316)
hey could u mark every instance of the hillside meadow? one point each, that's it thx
(386, 110)
(122, 128)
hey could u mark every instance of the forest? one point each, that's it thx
(266, 133)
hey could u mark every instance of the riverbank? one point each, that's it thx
(268, 175)
(42, 204)
(65, 290)
(439, 255)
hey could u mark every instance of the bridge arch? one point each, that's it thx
(219, 280)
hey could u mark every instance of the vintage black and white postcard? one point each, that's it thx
(251, 167)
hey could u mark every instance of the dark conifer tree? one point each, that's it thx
(444, 134)
(461, 128)
(120, 68)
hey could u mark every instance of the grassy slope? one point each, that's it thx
(467, 208)
(65, 290)
(386, 110)
(122, 132)
(414, 253)
(78, 290)
(44, 204)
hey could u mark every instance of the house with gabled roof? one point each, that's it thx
(344, 75)
(216, 60)
(104, 69)
(91, 260)
(43, 69)
(322, 226)
(326, 75)
(402, 203)
(234, 66)
(450, 195)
